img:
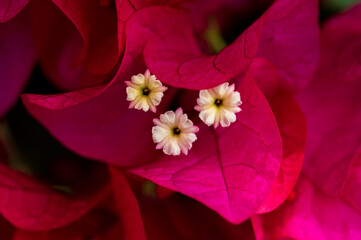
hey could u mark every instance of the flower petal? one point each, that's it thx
(292, 46)
(292, 125)
(342, 63)
(10, 8)
(312, 215)
(333, 114)
(16, 60)
(30, 205)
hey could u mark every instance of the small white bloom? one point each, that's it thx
(174, 132)
(144, 92)
(218, 105)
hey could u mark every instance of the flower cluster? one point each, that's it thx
(174, 132)
(169, 119)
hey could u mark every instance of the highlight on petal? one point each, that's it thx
(145, 92)
(230, 170)
(219, 105)
(174, 132)
(292, 125)
(312, 214)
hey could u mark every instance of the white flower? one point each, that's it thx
(174, 132)
(218, 105)
(144, 92)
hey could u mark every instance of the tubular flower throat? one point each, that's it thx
(174, 132)
(144, 92)
(218, 105)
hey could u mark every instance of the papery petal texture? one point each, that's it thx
(291, 45)
(290, 40)
(230, 170)
(292, 125)
(175, 57)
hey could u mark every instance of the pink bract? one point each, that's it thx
(16, 60)
(292, 126)
(30, 205)
(341, 49)
(333, 116)
(313, 215)
(10, 8)
(292, 46)
(326, 202)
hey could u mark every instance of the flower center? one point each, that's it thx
(146, 91)
(218, 102)
(176, 131)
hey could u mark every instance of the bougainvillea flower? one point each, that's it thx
(174, 132)
(175, 57)
(342, 63)
(144, 92)
(16, 60)
(225, 169)
(231, 170)
(218, 105)
(311, 214)
(10, 8)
